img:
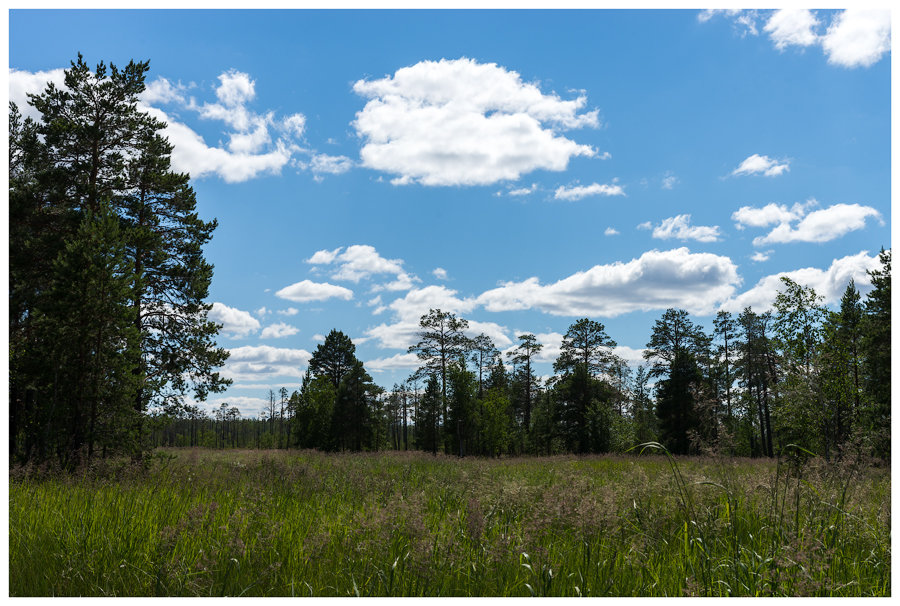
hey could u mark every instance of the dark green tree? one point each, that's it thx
(724, 329)
(94, 152)
(334, 357)
(441, 340)
(877, 355)
(429, 414)
(484, 354)
(352, 423)
(522, 357)
(676, 403)
(585, 343)
(673, 350)
(840, 374)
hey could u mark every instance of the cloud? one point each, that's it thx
(792, 26)
(523, 191)
(248, 406)
(582, 191)
(410, 308)
(23, 82)
(192, 155)
(162, 91)
(417, 302)
(759, 257)
(829, 283)
(765, 165)
(305, 290)
(278, 330)
(858, 38)
(255, 144)
(632, 356)
(318, 337)
(680, 227)
(460, 122)
(295, 124)
(696, 282)
(404, 281)
(498, 334)
(855, 37)
(822, 225)
(263, 361)
(250, 150)
(323, 164)
(399, 335)
(325, 257)
(361, 261)
(818, 226)
(669, 181)
(610, 231)
(770, 214)
(234, 321)
(440, 273)
(397, 361)
(743, 21)
(290, 311)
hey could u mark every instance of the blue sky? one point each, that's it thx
(522, 169)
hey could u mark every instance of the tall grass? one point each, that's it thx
(237, 523)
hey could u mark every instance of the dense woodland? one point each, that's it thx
(109, 330)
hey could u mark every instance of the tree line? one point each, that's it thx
(107, 279)
(799, 374)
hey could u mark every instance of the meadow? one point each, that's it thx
(275, 523)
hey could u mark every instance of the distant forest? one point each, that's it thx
(109, 332)
(800, 375)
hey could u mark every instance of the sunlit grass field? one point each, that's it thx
(247, 523)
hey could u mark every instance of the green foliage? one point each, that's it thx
(676, 402)
(876, 345)
(333, 358)
(107, 276)
(585, 343)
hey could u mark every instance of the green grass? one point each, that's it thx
(251, 523)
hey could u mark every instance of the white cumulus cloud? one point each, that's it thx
(583, 191)
(696, 282)
(278, 330)
(829, 283)
(407, 310)
(821, 225)
(460, 122)
(397, 361)
(680, 228)
(792, 26)
(770, 214)
(797, 224)
(306, 290)
(362, 261)
(23, 82)
(263, 361)
(858, 37)
(756, 164)
(236, 322)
